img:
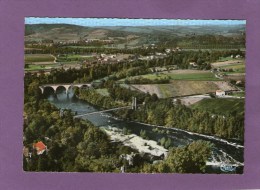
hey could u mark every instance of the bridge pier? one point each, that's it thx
(55, 96)
(133, 103)
(42, 89)
(67, 94)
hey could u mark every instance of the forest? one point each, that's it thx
(75, 145)
(163, 112)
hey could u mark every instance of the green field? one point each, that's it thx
(179, 88)
(103, 91)
(221, 105)
(226, 59)
(166, 90)
(38, 58)
(238, 94)
(238, 68)
(34, 67)
(72, 57)
(83, 47)
(39, 67)
(194, 76)
(206, 76)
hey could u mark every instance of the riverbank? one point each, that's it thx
(197, 134)
(138, 143)
(181, 130)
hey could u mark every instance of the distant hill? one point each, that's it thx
(138, 34)
(55, 32)
(182, 30)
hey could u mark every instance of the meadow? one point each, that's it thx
(221, 105)
(73, 58)
(32, 67)
(238, 68)
(192, 75)
(31, 58)
(179, 88)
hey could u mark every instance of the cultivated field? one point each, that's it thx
(235, 76)
(228, 63)
(238, 68)
(103, 91)
(35, 58)
(193, 75)
(73, 58)
(183, 88)
(189, 100)
(32, 67)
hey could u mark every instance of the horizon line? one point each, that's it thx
(93, 22)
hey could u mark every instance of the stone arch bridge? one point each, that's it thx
(66, 86)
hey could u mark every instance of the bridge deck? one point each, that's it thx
(66, 84)
(91, 113)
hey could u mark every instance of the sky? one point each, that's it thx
(127, 22)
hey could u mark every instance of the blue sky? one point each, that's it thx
(128, 22)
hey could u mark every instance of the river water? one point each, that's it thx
(224, 154)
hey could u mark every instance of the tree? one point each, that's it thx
(190, 159)
(168, 143)
(143, 134)
(162, 141)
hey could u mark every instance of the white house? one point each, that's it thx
(220, 93)
(238, 56)
(193, 64)
(168, 50)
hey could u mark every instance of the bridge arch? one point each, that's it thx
(66, 86)
(84, 86)
(48, 89)
(60, 88)
(73, 88)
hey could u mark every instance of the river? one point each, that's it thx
(225, 153)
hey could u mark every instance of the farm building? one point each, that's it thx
(40, 147)
(220, 93)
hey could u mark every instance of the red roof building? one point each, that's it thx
(40, 147)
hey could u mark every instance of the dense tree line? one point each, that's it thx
(165, 113)
(142, 80)
(97, 99)
(118, 96)
(188, 159)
